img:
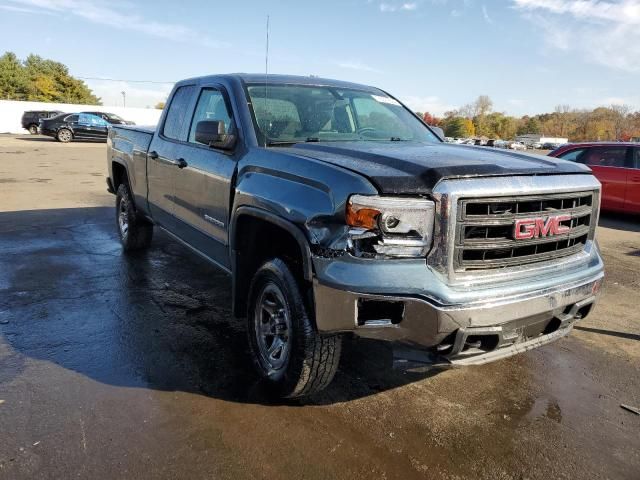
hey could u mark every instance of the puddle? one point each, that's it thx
(543, 407)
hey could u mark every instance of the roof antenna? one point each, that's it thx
(266, 73)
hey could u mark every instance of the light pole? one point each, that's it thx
(124, 98)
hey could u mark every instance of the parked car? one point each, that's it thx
(490, 143)
(31, 118)
(75, 126)
(616, 165)
(516, 146)
(112, 118)
(550, 146)
(333, 221)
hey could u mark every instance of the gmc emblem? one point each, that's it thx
(526, 228)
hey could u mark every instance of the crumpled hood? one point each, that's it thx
(407, 167)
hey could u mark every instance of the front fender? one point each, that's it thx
(306, 193)
(307, 266)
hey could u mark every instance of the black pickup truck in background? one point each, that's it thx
(336, 211)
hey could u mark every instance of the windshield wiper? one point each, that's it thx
(312, 139)
(398, 139)
(277, 143)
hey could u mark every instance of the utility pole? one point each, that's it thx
(124, 98)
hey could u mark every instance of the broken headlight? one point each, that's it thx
(390, 226)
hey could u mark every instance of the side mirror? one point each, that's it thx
(439, 132)
(212, 133)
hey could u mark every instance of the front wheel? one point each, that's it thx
(288, 352)
(33, 129)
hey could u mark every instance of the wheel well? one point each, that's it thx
(256, 241)
(119, 173)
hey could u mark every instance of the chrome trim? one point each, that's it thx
(215, 221)
(447, 195)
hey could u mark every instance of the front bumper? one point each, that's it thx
(465, 325)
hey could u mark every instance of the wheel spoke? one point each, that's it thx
(275, 350)
(270, 307)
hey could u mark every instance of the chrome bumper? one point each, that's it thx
(464, 333)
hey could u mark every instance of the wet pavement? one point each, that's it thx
(131, 366)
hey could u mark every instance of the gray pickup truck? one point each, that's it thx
(337, 211)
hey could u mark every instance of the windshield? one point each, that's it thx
(113, 116)
(299, 113)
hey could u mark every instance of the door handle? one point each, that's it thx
(153, 155)
(181, 163)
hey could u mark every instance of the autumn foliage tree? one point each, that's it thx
(42, 80)
(430, 119)
(614, 122)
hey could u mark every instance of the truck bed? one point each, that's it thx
(128, 145)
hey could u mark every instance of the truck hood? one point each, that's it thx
(407, 167)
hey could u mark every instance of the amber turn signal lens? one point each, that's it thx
(362, 217)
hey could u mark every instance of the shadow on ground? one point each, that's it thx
(620, 221)
(159, 319)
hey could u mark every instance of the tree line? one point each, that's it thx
(41, 80)
(477, 119)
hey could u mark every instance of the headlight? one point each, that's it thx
(390, 226)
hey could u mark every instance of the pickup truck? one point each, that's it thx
(336, 211)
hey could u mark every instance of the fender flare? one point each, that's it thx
(296, 233)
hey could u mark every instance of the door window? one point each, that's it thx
(211, 106)
(91, 120)
(177, 114)
(572, 155)
(606, 157)
(71, 118)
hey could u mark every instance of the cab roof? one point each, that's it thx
(281, 80)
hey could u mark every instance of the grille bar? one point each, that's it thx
(485, 230)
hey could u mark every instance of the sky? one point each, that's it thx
(435, 55)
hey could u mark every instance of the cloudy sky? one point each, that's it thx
(527, 55)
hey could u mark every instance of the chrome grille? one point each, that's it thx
(485, 229)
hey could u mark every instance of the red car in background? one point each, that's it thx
(616, 165)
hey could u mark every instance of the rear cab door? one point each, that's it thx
(632, 198)
(609, 165)
(164, 151)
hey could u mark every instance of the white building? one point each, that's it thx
(11, 113)
(531, 138)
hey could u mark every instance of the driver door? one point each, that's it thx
(203, 185)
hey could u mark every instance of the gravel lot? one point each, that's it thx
(132, 367)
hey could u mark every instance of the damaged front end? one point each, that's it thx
(393, 273)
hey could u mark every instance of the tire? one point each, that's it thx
(64, 135)
(277, 315)
(33, 129)
(135, 232)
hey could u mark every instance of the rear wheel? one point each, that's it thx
(64, 135)
(135, 232)
(288, 352)
(33, 129)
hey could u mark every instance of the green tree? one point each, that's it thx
(529, 125)
(14, 84)
(44, 80)
(457, 127)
